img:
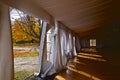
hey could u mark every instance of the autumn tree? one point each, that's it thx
(26, 28)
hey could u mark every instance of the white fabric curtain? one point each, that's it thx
(60, 47)
(57, 49)
(63, 41)
(70, 46)
(45, 57)
(74, 46)
(50, 44)
(78, 45)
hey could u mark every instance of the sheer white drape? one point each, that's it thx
(78, 45)
(69, 46)
(50, 44)
(61, 45)
(63, 41)
(74, 46)
(57, 50)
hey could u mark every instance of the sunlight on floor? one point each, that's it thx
(84, 74)
(90, 54)
(60, 78)
(78, 62)
(91, 57)
(89, 50)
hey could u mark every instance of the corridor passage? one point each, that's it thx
(91, 65)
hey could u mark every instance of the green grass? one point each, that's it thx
(21, 75)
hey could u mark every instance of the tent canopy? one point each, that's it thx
(82, 16)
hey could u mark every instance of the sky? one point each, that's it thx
(14, 14)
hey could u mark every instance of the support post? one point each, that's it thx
(6, 55)
(42, 44)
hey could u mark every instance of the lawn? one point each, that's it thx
(22, 75)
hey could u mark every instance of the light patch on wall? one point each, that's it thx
(92, 42)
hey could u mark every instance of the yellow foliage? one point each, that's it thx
(19, 35)
(32, 19)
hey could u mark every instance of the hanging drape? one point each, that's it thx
(77, 44)
(60, 46)
(69, 46)
(46, 64)
(63, 41)
(85, 43)
(74, 46)
(57, 49)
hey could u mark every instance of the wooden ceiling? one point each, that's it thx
(78, 15)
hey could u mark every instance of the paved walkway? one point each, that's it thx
(26, 64)
(20, 49)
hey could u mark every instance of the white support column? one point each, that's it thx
(6, 55)
(42, 44)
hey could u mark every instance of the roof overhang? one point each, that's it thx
(79, 15)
